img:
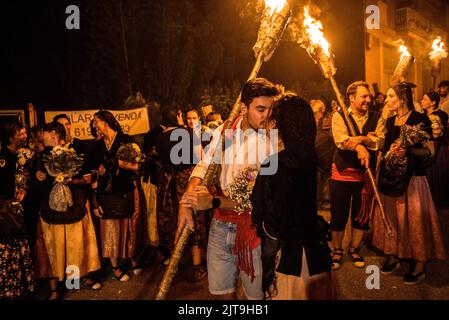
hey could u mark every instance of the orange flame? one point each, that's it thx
(438, 50)
(275, 6)
(403, 49)
(314, 30)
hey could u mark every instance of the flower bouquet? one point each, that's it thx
(62, 164)
(130, 152)
(437, 126)
(394, 176)
(241, 188)
(23, 157)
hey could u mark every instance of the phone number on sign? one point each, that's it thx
(83, 132)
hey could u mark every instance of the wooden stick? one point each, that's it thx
(207, 180)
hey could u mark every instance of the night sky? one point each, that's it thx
(175, 50)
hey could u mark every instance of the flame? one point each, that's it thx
(275, 6)
(438, 51)
(403, 48)
(314, 30)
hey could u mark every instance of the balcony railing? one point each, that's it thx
(409, 20)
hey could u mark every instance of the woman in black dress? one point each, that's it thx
(16, 266)
(285, 211)
(438, 172)
(408, 204)
(63, 238)
(117, 200)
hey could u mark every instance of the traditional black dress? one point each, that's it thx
(16, 266)
(409, 210)
(118, 195)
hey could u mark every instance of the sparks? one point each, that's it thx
(314, 30)
(438, 50)
(275, 6)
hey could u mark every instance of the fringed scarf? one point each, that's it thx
(367, 199)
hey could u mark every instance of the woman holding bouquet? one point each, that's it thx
(285, 211)
(65, 234)
(16, 266)
(438, 172)
(409, 207)
(117, 200)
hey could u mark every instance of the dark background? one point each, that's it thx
(178, 51)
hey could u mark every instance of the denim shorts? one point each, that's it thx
(222, 263)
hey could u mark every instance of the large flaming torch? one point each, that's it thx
(437, 54)
(404, 64)
(319, 50)
(275, 18)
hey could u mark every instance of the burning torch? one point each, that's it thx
(404, 64)
(320, 51)
(275, 19)
(437, 54)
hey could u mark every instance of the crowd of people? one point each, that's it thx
(264, 229)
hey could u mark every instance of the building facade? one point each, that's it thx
(417, 23)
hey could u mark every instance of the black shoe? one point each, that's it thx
(412, 279)
(389, 268)
(357, 259)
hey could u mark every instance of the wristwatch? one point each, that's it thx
(216, 202)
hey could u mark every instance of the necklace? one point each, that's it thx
(400, 117)
(110, 142)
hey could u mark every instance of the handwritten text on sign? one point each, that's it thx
(133, 121)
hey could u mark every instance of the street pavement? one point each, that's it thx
(350, 280)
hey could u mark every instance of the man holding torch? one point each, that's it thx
(233, 246)
(348, 187)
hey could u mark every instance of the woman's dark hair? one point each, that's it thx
(8, 131)
(296, 124)
(170, 115)
(404, 91)
(434, 97)
(62, 116)
(56, 127)
(109, 118)
(258, 87)
(93, 131)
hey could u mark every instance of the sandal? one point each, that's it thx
(357, 259)
(337, 257)
(137, 269)
(54, 295)
(122, 277)
(199, 272)
(92, 284)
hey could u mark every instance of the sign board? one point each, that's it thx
(132, 121)
(12, 115)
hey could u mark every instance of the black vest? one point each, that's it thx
(345, 159)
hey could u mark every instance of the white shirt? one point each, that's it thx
(340, 131)
(247, 149)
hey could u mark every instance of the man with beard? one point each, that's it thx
(352, 157)
(443, 90)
